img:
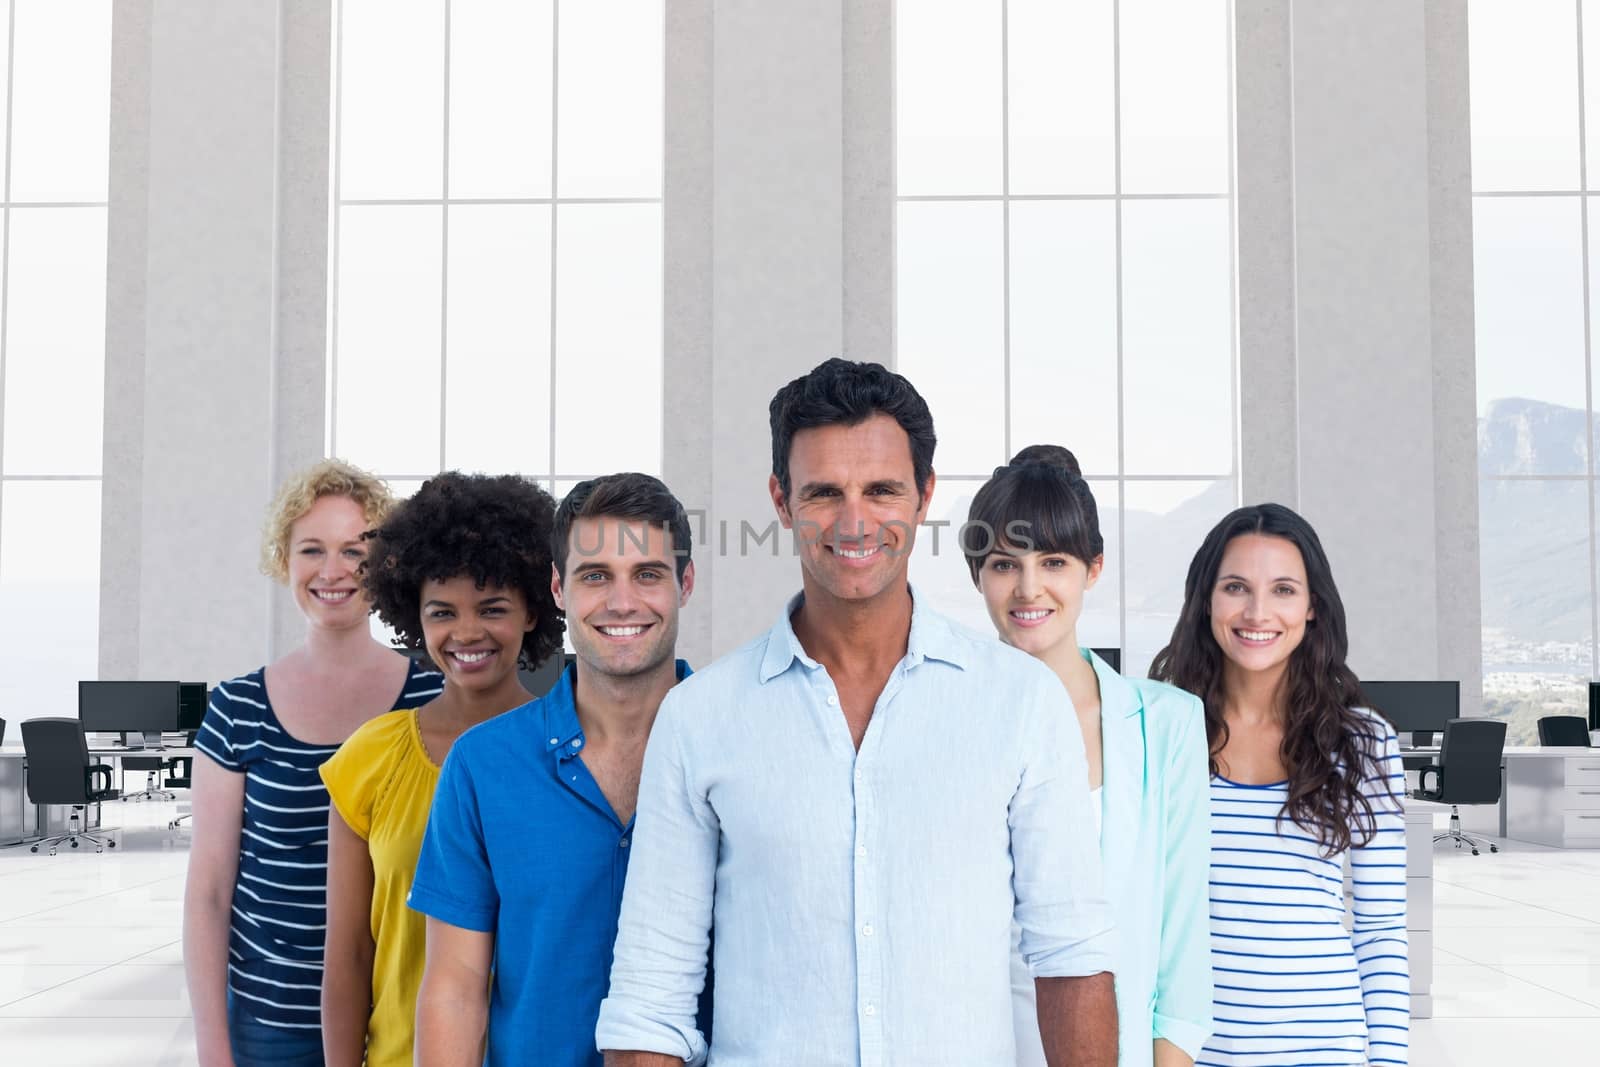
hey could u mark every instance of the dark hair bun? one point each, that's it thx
(1050, 456)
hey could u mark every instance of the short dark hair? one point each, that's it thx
(633, 496)
(494, 529)
(1041, 489)
(840, 392)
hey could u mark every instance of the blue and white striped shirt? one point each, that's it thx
(281, 893)
(1293, 986)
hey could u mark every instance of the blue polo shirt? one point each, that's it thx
(521, 843)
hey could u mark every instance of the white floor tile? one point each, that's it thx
(129, 991)
(1473, 991)
(1578, 980)
(18, 980)
(104, 1042)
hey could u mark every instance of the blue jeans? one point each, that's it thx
(255, 1044)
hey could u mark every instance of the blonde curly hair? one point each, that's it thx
(330, 477)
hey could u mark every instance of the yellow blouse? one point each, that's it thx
(382, 782)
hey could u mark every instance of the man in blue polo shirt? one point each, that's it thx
(527, 846)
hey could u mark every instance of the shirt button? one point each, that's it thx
(577, 742)
(858, 775)
(869, 1009)
(861, 851)
(866, 930)
(555, 740)
(623, 843)
(833, 701)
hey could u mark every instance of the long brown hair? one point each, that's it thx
(1329, 748)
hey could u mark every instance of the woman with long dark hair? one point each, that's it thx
(1302, 776)
(1034, 548)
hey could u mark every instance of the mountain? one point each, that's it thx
(1521, 436)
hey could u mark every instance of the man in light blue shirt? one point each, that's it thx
(859, 802)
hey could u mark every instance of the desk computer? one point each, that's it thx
(140, 711)
(1112, 656)
(1594, 705)
(1417, 708)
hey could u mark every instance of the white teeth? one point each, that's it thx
(332, 596)
(1257, 635)
(621, 631)
(854, 553)
(1030, 615)
(471, 657)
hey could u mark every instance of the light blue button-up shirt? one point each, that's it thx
(861, 902)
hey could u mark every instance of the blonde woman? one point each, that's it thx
(255, 900)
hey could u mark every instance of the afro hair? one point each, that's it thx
(494, 529)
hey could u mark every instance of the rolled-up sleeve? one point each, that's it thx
(1061, 907)
(1183, 982)
(659, 966)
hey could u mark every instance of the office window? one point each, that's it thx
(1535, 102)
(55, 77)
(1065, 274)
(496, 245)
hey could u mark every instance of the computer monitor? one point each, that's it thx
(1594, 705)
(144, 709)
(192, 700)
(1417, 708)
(1112, 656)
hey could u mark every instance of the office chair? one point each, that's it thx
(2, 731)
(1468, 771)
(152, 766)
(183, 780)
(59, 772)
(1571, 731)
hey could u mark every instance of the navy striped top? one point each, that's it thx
(1299, 977)
(281, 893)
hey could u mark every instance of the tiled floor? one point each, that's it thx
(91, 971)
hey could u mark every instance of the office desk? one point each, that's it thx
(21, 821)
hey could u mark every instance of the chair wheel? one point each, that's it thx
(111, 844)
(1474, 852)
(1494, 848)
(52, 851)
(74, 844)
(35, 848)
(99, 849)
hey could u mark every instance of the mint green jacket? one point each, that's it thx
(1155, 849)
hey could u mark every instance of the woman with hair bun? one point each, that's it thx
(1034, 548)
(1303, 777)
(462, 570)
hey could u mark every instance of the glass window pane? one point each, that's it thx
(1177, 350)
(611, 99)
(608, 339)
(1523, 57)
(500, 98)
(1064, 328)
(1591, 90)
(1062, 96)
(951, 327)
(1528, 285)
(1175, 95)
(50, 633)
(497, 374)
(391, 99)
(1165, 523)
(55, 334)
(1537, 622)
(386, 396)
(938, 570)
(61, 100)
(947, 97)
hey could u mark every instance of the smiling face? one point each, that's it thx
(1261, 602)
(621, 595)
(854, 506)
(474, 634)
(1035, 598)
(325, 551)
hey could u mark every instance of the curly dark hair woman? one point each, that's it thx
(492, 528)
(462, 569)
(1302, 772)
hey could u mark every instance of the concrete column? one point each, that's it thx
(214, 367)
(779, 216)
(1356, 313)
